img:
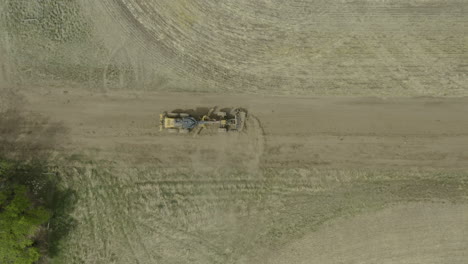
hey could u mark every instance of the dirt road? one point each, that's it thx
(285, 190)
(282, 131)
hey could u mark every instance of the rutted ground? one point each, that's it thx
(108, 68)
(148, 214)
(412, 233)
(306, 47)
(155, 197)
(143, 214)
(370, 48)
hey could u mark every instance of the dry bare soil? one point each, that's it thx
(380, 177)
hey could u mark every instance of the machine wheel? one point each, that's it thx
(183, 131)
(222, 130)
(172, 130)
(220, 114)
(184, 115)
(172, 115)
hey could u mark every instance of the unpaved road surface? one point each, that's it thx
(281, 132)
(286, 189)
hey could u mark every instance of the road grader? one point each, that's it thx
(183, 122)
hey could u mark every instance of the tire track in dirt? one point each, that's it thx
(434, 65)
(248, 46)
(187, 240)
(91, 204)
(256, 135)
(185, 188)
(165, 226)
(126, 214)
(108, 222)
(153, 45)
(299, 132)
(121, 226)
(95, 215)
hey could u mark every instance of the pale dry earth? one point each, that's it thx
(337, 47)
(264, 195)
(300, 47)
(282, 131)
(412, 233)
(378, 178)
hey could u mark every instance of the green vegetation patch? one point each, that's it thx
(34, 212)
(20, 221)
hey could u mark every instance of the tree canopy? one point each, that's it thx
(20, 220)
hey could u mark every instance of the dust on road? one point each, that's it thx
(282, 131)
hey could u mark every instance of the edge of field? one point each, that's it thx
(149, 213)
